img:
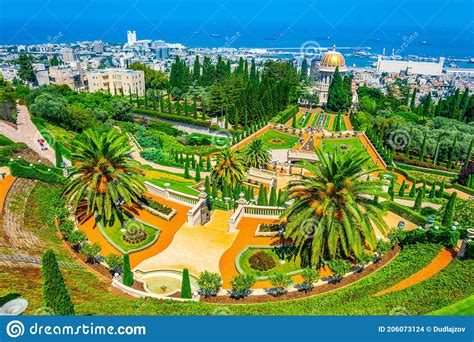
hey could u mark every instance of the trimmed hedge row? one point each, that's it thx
(426, 170)
(445, 237)
(283, 116)
(173, 117)
(463, 188)
(404, 212)
(40, 172)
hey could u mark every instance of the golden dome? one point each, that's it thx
(333, 59)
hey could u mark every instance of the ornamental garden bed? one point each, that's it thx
(352, 278)
(158, 209)
(252, 257)
(267, 229)
(276, 140)
(132, 240)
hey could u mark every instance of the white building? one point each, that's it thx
(410, 67)
(9, 72)
(131, 37)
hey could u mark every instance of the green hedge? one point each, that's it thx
(463, 188)
(40, 172)
(283, 116)
(426, 170)
(173, 117)
(405, 212)
(445, 237)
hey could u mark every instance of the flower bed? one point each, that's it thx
(134, 236)
(261, 261)
(267, 229)
(158, 209)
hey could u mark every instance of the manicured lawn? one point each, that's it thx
(463, 307)
(303, 124)
(353, 144)
(115, 234)
(315, 120)
(177, 182)
(4, 141)
(291, 264)
(275, 140)
(326, 123)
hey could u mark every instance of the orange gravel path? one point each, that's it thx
(441, 261)
(370, 150)
(348, 123)
(247, 227)
(244, 142)
(167, 231)
(5, 185)
(331, 122)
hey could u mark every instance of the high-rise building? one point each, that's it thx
(116, 81)
(67, 55)
(98, 46)
(131, 37)
(162, 53)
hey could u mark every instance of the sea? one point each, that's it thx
(425, 28)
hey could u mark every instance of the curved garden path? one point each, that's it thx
(246, 237)
(167, 231)
(197, 248)
(26, 132)
(440, 262)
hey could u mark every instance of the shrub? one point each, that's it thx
(241, 285)
(449, 210)
(427, 211)
(261, 261)
(339, 266)
(310, 276)
(91, 251)
(36, 171)
(55, 294)
(364, 258)
(186, 285)
(404, 212)
(173, 117)
(127, 277)
(58, 154)
(280, 282)
(66, 227)
(445, 237)
(383, 247)
(209, 283)
(115, 262)
(269, 227)
(76, 237)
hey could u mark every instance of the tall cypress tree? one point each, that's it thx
(55, 294)
(127, 276)
(418, 200)
(451, 152)
(401, 191)
(449, 210)
(423, 147)
(336, 93)
(186, 285)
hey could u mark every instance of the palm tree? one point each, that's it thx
(255, 155)
(228, 168)
(332, 213)
(103, 177)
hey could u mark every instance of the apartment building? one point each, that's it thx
(116, 81)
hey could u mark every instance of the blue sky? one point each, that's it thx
(440, 21)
